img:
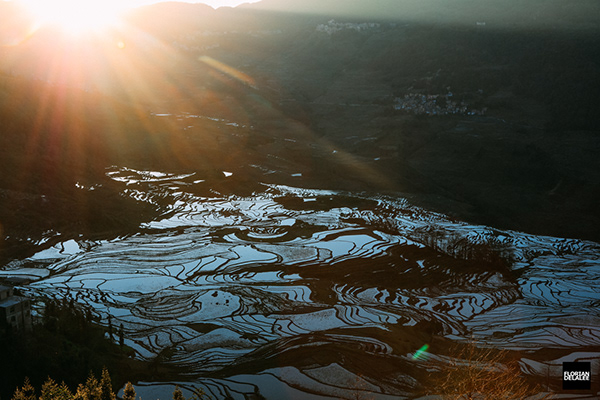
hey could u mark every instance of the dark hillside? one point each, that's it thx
(338, 94)
(528, 162)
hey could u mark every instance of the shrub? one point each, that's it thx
(475, 373)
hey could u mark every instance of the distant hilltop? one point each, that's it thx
(510, 13)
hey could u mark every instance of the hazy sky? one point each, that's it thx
(219, 3)
(213, 3)
(78, 16)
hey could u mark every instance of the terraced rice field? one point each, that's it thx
(295, 293)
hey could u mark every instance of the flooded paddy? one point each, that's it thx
(295, 293)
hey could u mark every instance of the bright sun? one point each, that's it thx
(75, 16)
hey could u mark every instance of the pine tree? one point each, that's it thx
(93, 391)
(129, 392)
(27, 392)
(177, 394)
(52, 391)
(48, 389)
(198, 394)
(106, 386)
(81, 393)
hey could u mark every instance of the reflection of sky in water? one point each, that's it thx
(242, 266)
(130, 176)
(59, 250)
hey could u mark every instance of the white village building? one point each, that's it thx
(15, 311)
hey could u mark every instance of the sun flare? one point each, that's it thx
(75, 16)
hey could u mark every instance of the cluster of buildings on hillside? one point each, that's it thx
(332, 26)
(435, 104)
(15, 311)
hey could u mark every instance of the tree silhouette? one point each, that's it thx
(106, 386)
(110, 328)
(52, 391)
(27, 392)
(129, 392)
(177, 394)
(91, 390)
(121, 336)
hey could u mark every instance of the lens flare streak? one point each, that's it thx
(421, 352)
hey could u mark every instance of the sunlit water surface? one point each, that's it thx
(295, 293)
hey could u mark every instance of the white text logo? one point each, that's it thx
(576, 376)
